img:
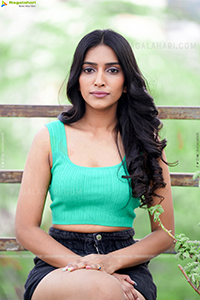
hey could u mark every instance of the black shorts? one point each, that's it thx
(87, 243)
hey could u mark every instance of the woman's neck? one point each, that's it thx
(99, 120)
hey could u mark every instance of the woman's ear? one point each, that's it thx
(125, 89)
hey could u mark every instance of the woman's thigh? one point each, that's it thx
(78, 285)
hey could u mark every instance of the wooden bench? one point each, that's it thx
(35, 111)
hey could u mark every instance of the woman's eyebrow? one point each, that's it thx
(95, 64)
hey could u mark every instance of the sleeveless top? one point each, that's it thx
(87, 195)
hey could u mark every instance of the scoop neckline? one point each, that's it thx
(93, 168)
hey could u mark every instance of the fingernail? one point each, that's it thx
(135, 283)
(65, 269)
(70, 269)
(87, 267)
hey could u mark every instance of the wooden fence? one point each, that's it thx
(37, 111)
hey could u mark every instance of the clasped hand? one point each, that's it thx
(105, 263)
(92, 261)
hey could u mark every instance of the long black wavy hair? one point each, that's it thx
(137, 120)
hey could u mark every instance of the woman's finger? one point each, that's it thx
(133, 294)
(81, 265)
(129, 291)
(129, 280)
(94, 267)
(74, 266)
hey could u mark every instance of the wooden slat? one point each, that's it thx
(10, 244)
(165, 112)
(177, 179)
(183, 179)
(179, 112)
(11, 176)
(32, 110)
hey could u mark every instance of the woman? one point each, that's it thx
(99, 161)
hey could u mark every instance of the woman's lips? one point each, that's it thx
(99, 94)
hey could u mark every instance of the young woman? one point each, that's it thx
(101, 160)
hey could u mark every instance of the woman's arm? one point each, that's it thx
(32, 195)
(158, 240)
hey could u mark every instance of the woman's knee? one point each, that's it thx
(105, 286)
(79, 285)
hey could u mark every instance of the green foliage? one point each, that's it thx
(185, 249)
(156, 211)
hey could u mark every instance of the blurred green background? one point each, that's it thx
(36, 49)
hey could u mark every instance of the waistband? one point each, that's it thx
(121, 235)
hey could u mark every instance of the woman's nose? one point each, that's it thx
(99, 80)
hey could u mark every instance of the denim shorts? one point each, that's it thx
(87, 243)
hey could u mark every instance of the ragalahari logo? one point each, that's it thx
(4, 3)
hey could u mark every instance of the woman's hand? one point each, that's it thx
(100, 262)
(104, 262)
(127, 286)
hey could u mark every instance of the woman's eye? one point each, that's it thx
(113, 70)
(88, 70)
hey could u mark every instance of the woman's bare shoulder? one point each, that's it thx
(42, 137)
(42, 133)
(41, 147)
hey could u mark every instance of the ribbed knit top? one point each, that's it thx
(87, 195)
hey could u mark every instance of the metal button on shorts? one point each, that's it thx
(98, 237)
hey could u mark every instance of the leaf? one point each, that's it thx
(157, 208)
(196, 175)
(191, 266)
(152, 209)
(198, 270)
(182, 238)
(156, 216)
(177, 246)
(186, 254)
(177, 256)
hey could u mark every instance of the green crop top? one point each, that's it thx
(86, 195)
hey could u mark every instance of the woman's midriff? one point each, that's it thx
(84, 228)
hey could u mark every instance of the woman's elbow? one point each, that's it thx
(168, 241)
(19, 232)
(22, 231)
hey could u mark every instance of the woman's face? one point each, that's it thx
(101, 81)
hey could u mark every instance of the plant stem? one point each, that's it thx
(188, 280)
(166, 230)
